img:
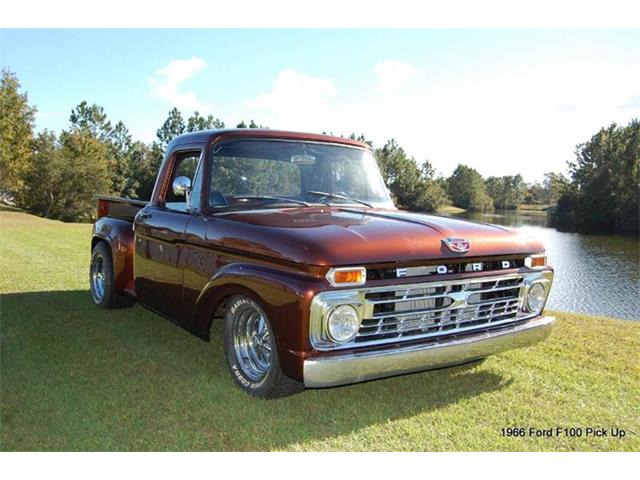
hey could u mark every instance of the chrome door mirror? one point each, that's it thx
(181, 186)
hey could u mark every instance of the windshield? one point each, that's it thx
(257, 173)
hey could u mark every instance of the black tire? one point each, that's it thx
(108, 296)
(268, 383)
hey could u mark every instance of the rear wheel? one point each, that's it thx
(102, 280)
(251, 353)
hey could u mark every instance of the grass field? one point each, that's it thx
(77, 378)
(450, 210)
(533, 207)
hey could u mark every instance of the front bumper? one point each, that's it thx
(341, 369)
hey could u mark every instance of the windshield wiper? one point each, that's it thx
(338, 196)
(278, 199)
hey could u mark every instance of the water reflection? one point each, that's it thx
(596, 274)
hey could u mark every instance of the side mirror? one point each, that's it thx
(182, 186)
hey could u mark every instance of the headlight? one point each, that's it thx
(343, 323)
(536, 297)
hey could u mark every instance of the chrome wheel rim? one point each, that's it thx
(97, 279)
(252, 343)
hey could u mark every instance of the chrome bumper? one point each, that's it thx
(332, 370)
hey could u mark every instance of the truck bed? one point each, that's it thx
(119, 207)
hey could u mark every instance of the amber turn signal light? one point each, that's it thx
(348, 276)
(536, 261)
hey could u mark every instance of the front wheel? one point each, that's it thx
(251, 352)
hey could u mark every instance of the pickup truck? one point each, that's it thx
(293, 242)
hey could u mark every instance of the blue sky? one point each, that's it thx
(502, 101)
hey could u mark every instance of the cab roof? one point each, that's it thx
(206, 136)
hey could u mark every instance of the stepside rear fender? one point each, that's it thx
(119, 235)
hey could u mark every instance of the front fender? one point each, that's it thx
(119, 236)
(285, 297)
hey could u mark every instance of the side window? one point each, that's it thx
(186, 165)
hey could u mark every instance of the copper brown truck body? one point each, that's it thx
(184, 265)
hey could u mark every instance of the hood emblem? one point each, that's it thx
(458, 245)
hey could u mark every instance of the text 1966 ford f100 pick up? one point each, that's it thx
(293, 242)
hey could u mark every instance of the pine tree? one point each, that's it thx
(172, 127)
(197, 122)
(92, 120)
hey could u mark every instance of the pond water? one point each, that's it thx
(596, 274)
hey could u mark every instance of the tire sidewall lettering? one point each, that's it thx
(236, 371)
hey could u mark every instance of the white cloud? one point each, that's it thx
(522, 119)
(165, 83)
(293, 94)
(393, 75)
(501, 120)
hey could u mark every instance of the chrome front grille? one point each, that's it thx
(426, 310)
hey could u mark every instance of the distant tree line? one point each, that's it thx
(604, 190)
(56, 175)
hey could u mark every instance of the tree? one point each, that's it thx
(66, 173)
(197, 122)
(534, 194)
(171, 128)
(547, 192)
(553, 184)
(467, 190)
(507, 192)
(144, 164)
(411, 186)
(120, 148)
(252, 124)
(603, 194)
(427, 169)
(17, 119)
(93, 120)
(85, 172)
(43, 179)
(360, 138)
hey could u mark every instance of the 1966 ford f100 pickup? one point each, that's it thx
(293, 242)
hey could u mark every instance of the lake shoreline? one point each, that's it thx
(596, 274)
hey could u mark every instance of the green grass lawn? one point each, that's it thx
(74, 377)
(450, 210)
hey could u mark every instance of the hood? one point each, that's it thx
(353, 236)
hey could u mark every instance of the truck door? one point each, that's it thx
(160, 240)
